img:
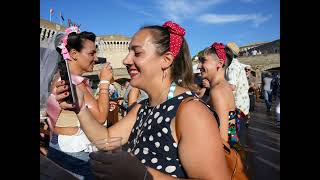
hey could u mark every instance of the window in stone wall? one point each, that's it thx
(44, 34)
(48, 34)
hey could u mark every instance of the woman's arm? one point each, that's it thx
(133, 96)
(222, 103)
(94, 130)
(200, 147)
(99, 108)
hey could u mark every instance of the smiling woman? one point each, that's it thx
(158, 141)
(68, 145)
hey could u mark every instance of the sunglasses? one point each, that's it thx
(247, 70)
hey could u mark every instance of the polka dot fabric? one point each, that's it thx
(220, 51)
(176, 34)
(155, 146)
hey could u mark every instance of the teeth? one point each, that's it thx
(133, 71)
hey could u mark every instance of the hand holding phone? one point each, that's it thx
(66, 76)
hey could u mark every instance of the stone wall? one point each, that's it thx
(112, 47)
(261, 63)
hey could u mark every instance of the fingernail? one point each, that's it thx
(65, 87)
(66, 93)
(62, 82)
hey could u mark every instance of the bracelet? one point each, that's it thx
(104, 82)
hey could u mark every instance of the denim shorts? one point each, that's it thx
(75, 162)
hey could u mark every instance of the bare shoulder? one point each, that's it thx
(193, 112)
(222, 91)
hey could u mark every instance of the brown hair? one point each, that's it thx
(182, 66)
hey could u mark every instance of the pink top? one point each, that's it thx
(53, 108)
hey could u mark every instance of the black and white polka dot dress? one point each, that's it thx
(151, 140)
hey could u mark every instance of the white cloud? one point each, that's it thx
(179, 10)
(256, 19)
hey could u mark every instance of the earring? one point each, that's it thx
(164, 74)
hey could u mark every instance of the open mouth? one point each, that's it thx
(132, 72)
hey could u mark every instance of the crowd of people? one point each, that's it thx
(175, 117)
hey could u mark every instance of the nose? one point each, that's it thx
(96, 58)
(127, 60)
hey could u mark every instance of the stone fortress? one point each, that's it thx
(110, 48)
(114, 48)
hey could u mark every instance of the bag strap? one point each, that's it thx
(225, 144)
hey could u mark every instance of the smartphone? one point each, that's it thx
(66, 76)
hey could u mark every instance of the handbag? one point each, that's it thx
(233, 158)
(234, 163)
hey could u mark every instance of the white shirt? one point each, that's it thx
(254, 52)
(267, 83)
(236, 75)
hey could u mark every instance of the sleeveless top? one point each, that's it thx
(151, 140)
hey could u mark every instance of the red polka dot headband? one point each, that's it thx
(220, 51)
(176, 34)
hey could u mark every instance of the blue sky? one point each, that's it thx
(205, 21)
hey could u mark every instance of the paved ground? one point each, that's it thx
(262, 139)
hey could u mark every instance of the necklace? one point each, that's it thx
(170, 95)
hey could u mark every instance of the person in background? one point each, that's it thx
(133, 96)
(267, 90)
(212, 65)
(236, 76)
(203, 86)
(252, 91)
(278, 102)
(68, 145)
(122, 92)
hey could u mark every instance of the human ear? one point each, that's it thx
(74, 54)
(167, 60)
(220, 64)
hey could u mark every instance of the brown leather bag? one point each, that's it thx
(234, 163)
(233, 158)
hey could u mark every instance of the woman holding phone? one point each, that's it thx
(68, 145)
(166, 143)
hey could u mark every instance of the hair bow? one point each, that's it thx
(220, 51)
(62, 46)
(176, 34)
